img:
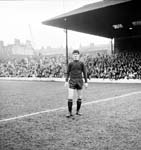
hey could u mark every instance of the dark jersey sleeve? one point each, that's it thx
(68, 72)
(84, 72)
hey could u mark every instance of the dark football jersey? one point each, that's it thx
(75, 70)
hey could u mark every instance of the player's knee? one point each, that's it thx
(79, 97)
(79, 94)
(70, 97)
(79, 100)
(70, 100)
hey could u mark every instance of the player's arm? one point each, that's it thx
(84, 72)
(85, 75)
(67, 74)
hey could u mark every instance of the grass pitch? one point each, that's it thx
(109, 125)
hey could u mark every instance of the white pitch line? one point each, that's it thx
(32, 114)
(111, 98)
(63, 108)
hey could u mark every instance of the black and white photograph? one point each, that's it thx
(70, 75)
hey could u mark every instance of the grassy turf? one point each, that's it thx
(112, 125)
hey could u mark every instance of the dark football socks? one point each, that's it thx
(78, 105)
(70, 103)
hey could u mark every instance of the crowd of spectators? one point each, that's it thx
(116, 66)
(39, 66)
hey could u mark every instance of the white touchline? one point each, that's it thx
(63, 108)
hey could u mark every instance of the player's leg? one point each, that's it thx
(79, 101)
(70, 101)
(79, 88)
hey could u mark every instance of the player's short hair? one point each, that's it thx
(75, 51)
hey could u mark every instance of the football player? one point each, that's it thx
(74, 81)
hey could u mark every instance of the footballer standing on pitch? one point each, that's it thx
(74, 81)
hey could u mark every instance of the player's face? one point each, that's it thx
(75, 56)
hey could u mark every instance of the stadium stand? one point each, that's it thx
(116, 66)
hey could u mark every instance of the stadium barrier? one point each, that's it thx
(63, 80)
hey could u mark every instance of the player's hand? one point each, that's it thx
(66, 84)
(86, 85)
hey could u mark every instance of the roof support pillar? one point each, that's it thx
(66, 32)
(66, 47)
(112, 46)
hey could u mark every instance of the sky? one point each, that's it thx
(22, 19)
